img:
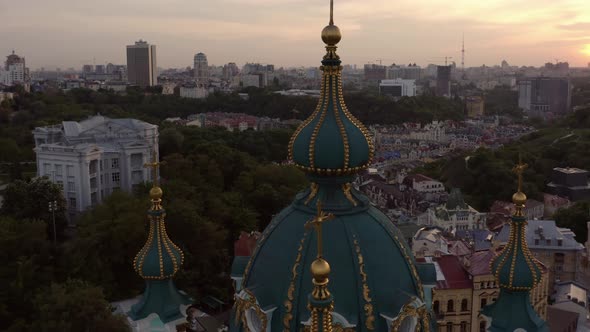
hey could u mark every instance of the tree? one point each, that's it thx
(75, 306)
(109, 236)
(171, 141)
(28, 263)
(30, 200)
(575, 218)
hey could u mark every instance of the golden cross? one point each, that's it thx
(519, 169)
(331, 12)
(155, 166)
(320, 218)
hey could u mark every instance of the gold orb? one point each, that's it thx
(156, 193)
(331, 35)
(519, 198)
(320, 269)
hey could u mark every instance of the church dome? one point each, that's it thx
(371, 278)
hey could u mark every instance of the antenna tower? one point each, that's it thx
(463, 55)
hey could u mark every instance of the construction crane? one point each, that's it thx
(381, 61)
(447, 58)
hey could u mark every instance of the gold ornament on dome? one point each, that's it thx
(410, 311)
(242, 305)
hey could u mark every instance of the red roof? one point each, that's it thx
(419, 178)
(456, 277)
(245, 245)
(480, 263)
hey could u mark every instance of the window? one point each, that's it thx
(71, 186)
(536, 242)
(463, 326)
(464, 305)
(59, 170)
(450, 306)
(548, 241)
(450, 327)
(73, 203)
(93, 167)
(93, 199)
(116, 177)
(483, 303)
(559, 243)
(93, 183)
(100, 163)
(115, 163)
(70, 170)
(482, 326)
(136, 160)
(47, 169)
(436, 307)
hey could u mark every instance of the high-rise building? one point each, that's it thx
(230, 70)
(99, 69)
(545, 96)
(15, 71)
(201, 68)
(411, 72)
(141, 64)
(443, 81)
(375, 72)
(88, 69)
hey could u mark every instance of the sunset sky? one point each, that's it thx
(70, 33)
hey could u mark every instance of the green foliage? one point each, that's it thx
(30, 200)
(575, 218)
(107, 240)
(502, 101)
(75, 306)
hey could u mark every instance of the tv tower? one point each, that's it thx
(463, 56)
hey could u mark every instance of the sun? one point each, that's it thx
(586, 49)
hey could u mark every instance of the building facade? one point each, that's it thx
(201, 68)
(14, 71)
(474, 106)
(545, 96)
(453, 216)
(92, 158)
(398, 88)
(142, 67)
(443, 81)
(466, 286)
(193, 91)
(573, 183)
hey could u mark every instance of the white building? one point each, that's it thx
(429, 242)
(92, 158)
(398, 88)
(193, 91)
(454, 215)
(424, 184)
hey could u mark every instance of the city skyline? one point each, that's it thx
(285, 32)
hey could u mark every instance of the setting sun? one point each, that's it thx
(586, 49)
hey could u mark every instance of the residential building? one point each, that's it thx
(193, 91)
(375, 72)
(443, 81)
(553, 246)
(92, 158)
(424, 184)
(429, 242)
(230, 70)
(410, 72)
(464, 286)
(573, 183)
(398, 88)
(553, 203)
(15, 70)
(142, 67)
(533, 209)
(201, 68)
(474, 106)
(560, 320)
(545, 96)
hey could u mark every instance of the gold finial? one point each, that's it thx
(156, 191)
(519, 198)
(331, 12)
(331, 34)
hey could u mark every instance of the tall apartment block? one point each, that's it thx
(141, 64)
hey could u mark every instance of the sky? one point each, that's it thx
(70, 33)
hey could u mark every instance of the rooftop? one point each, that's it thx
(570, 170)
(455, 276)
(544, 234)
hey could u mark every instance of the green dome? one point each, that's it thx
(515, 268)
(373, 273)
(331, 141)
(159, 258)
